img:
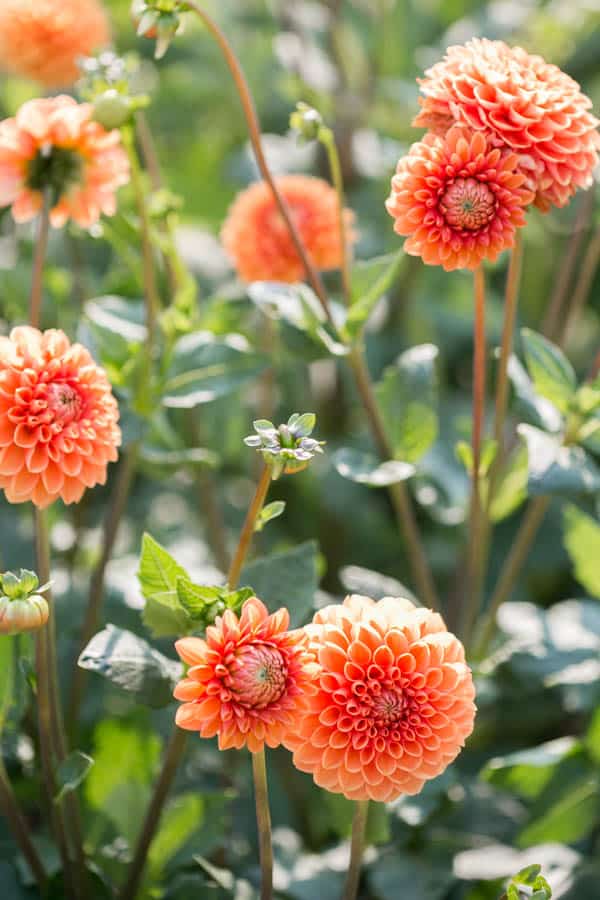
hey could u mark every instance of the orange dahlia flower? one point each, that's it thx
(58, 418)
(458, 199)
(394, 702)
(257, 239)
(53, 144)
(521, 102)
(249, 681)
(43, 39)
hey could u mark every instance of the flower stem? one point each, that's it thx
(398, 493)
(247, 532)
(263, 820)
(512, 567)
(249, 109)
(114, 514)
(41, 247)
(357, 847)
(20, 829)
(474, 554)
(328, 140)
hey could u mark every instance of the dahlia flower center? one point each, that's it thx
(468, 204)
(55, 169)
(64, 402)
(388, 707)
(258, 676)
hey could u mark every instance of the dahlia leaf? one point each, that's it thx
(370, 281)
(535, 409)
(557, 470)
(268, 513)
(552, 373)
(565, 812)
(290, 577)
(408, 395)
(71, 772)
(582, 540)
(158, 573)
(129, 662)
(364, 468)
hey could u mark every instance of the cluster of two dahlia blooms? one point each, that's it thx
(373, 698)
(506, 129)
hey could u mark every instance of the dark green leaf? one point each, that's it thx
(566, 811)
(132, 664)
(408, 396)
(366, 469)
(428, 879)
(526, 772)
(582, 540)
(204, 368)
(71, 772)
(552, 373)
(554, 469)
(286, 579)
(532, 407)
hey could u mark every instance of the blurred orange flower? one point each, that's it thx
(43, 39)
(257, 239)
(58, 418)
(458, 199)
(249, 680)
(520, 102)
(395, 699)
(53, 144)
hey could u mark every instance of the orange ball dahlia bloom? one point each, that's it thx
(58, 418)
(53, 144)
(395, 699)
(521, 102)
(43, 39)
(458, 199)
(257, 239)
(248, 682)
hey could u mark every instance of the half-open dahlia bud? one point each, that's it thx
(258, 241)
(53, 146)
(21, 606)
(44, 39)
(521, 102)
(394, 704)
(458, 199)
(58, 418)
(249, 681)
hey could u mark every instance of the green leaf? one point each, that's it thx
(268, 513)
(370, 281)
(196, 598)
(565, 812)
(286, 579)
(408, 395)
(552, 373)
(182, 818)
(158, 573)
(204, 368)
(172, 460)
(71, 773)
(429, 879)
(364, 468)
(511, 487)
(557, 470)
(527, 772)
(582, 540)
(536, 410)
(16, 652)
(129, 662)
(116, 322)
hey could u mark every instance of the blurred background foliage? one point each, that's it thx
(526, 788)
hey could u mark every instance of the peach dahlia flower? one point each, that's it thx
(53, 144)
(458, 199)
(43, 39)
(521, 102)
(249, 681)
(58, 418)
(395, 699)
(257, 239)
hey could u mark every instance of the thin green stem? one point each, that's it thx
(328, 140)
(263, 821)
(20, 829)
(357, 849)
(247, 532)
(39, 259)
(399, 495)
(511, 570)
(112, 521)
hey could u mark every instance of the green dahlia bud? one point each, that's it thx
(306, 121)
(112, 109)
(27, 614)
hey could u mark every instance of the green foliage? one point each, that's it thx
(286, 579)
(557, 469)
(72, 772)
(582, 540)
(552, 374)
(364, 468)
(533, 881)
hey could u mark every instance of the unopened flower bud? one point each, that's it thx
(306, 121)
(287, 449)
(112, 109)
(27, 614)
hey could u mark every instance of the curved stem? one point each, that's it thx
(41, 248)
(247, 532)
(116, 508)
(512, 567)
(357, 847)
(328, 140)
(249, 109)
(20, 829)
(263, 821)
